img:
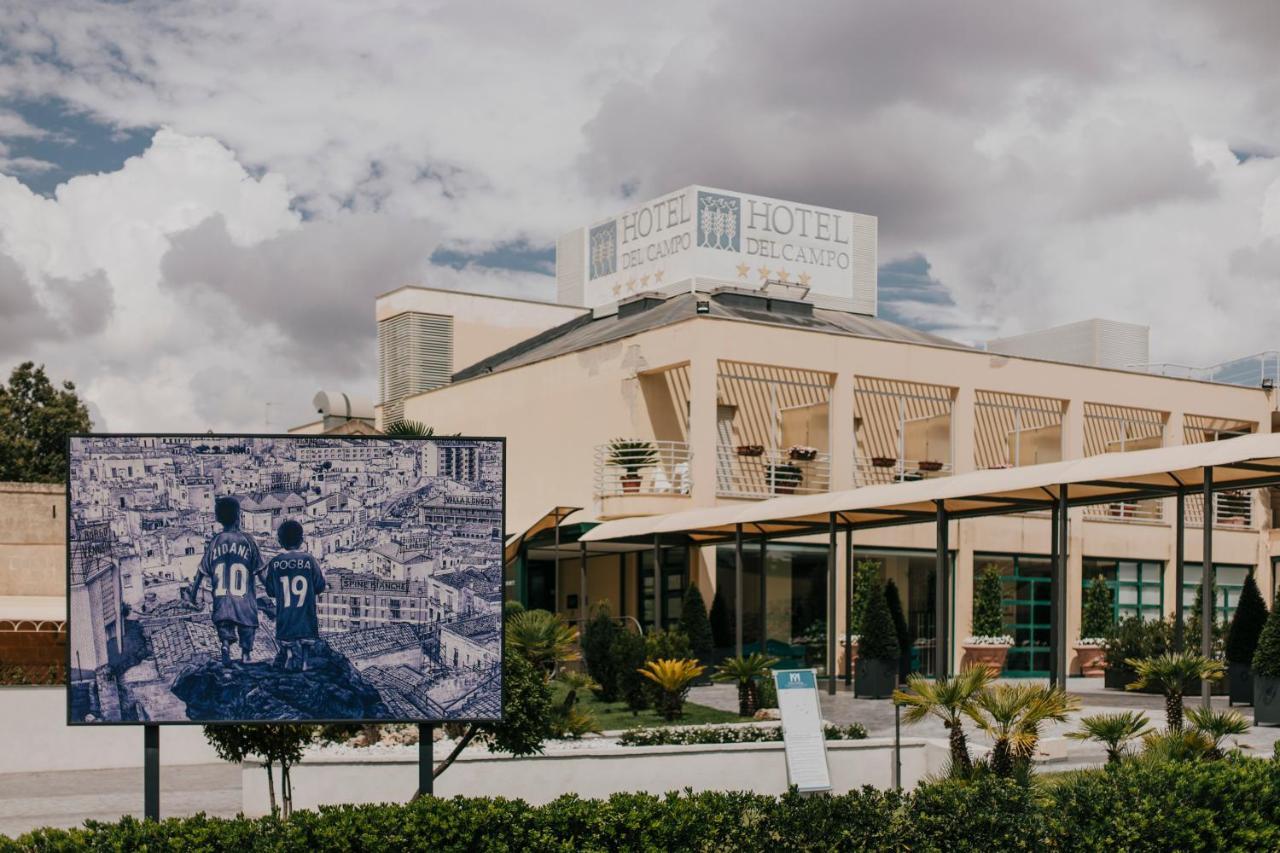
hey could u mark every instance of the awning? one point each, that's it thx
(550, 519)
(32, 612)
(1238, 463)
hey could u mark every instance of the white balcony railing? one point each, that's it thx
(1230, 509)
(1147, 510)
(877, 470)
(758, 472)
(641, 467)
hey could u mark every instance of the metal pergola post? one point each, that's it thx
(848, 598)
(582, 583)
(1179, 571)
(657, 581)
(941, 662)
(1060, 600)
(622, 584)
(737, 589)
(1206, 584)
(1054, 518)
(555, 581)
(831, 605)
(764, 633)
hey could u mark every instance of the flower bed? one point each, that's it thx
(675, 736)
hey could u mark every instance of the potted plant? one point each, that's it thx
(750, 450)
(1242, 642)
(631, 456)
(802, 453)
(1129, 639)
(784, 478)
(1095, 624)
(989, 645)
(876, 673)
(929, 465)
(884, 462)
(1266, 672)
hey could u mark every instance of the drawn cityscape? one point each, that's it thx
(408, 536)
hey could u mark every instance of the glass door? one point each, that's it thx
(1027, 608)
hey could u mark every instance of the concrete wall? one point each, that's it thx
(591, 773)
(34, 737)
(33, 536)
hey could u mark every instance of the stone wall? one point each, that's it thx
(33, 537)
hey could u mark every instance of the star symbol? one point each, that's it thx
(617, 289)
(657, 277)
(743, 269)
(784, 276)
(644, 280)
(804, 278)
(631, 285)
(764, 273)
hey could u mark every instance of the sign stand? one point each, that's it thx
(151, 772)
(804, 741)
(426, 764)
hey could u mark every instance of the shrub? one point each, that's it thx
(740, 733)
(768, 692)
(628, 657)
(1133, 637)
(747, 672)
(1170, 674)
(866, 574)
(721, 621)
(900, 627)
(597, 652)
(1097, 616)
(542, 638)
(667, 645)
(988, 611)
(879, 639)
(1266, 660)
(1246, 624)
(695, 624)
(672, 679)
(1217, 629)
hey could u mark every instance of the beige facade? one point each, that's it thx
(709, 389)
(33, 539)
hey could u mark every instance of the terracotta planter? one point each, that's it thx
(803, 455)
(630, 483)
(1089, 661)
(884, 462)
(992, 657)
(930, 466)
(750, 450)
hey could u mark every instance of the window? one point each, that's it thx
(1027, 605)
(1228, 580)
(1137, 586)
(674, 566)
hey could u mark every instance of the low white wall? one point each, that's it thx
(332, 779)
(35, 737)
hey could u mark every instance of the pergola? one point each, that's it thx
(1246, 462)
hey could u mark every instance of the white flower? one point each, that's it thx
(1091, 641)
(1001, 640)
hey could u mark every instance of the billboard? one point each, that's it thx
(707, 237)
(284, 578)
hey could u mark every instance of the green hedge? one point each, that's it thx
(1232, 804)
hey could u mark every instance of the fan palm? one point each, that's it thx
(1012, 715)
(1114, 731)
(409, 428)
(542, 638)
(1217, 725)
(948, 699)
(673, 678)
(745, 671)
(1169, 673)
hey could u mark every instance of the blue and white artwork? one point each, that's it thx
(719, 221)
(287, 578)
(604, 249)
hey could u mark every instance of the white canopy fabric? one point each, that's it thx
(1237, 463)
(33, 608)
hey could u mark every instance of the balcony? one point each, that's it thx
(754, 471)
(636, 466)
(878, 470)
(1148, 510)
(1230, 509)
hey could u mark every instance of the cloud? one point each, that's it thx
(68, 310)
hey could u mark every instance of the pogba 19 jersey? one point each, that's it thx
(294, 580)
(230, 562)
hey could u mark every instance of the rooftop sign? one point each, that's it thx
(698, 238)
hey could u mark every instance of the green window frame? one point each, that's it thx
(1137, 586)
(1027, 605)
(1228, 580)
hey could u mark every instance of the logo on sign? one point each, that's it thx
(604, 249)
(796, 679)
(719, 220)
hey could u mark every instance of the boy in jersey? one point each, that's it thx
(294, 579)
(231, 562)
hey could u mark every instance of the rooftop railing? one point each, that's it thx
(1148, 510)
(754, 471)
(642, 467)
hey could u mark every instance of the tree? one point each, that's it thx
(543, 638)
(950, 700)
(879, 638)
(1246, 623)
(865, 574)
(1097, 618)
(35, 420)
(1114, 731)
(695, 624)
(597, 651)
(746, 671)
(1169, 673)
(1266, 659)
(1216, 726)
(988, 607)
(1012, 715)
(900, 627)
(409, 429)
(671, 678)
(281, 744)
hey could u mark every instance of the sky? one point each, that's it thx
(199, 202)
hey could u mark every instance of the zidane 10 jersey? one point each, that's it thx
(294, 580)
(230, 562)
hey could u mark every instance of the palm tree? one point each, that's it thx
(1217, 725)
(1169, 673)
(1012, 714)
(543, 638)
(1114, 731)
(409, 429)
(673, 677)
(948, 699)
(745, 671)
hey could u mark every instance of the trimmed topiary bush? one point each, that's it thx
(879, 637)
(597, 651)
(866, 574)
(1247, 623)
(1098, 614)
(900, 628)
(721, 621)
(988, 609)
(1266, 659)
(628, 653)
(695, 624)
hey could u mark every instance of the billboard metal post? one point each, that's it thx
(897, 746)
(848, 597)
(582, 583)
(657, 582)
(1179, 571)
(832, 544)
(426, 760)
(1060, 626)
(151, 772)
(1206, 585)
(1054, 517)
(737, 589)
(941, 662)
